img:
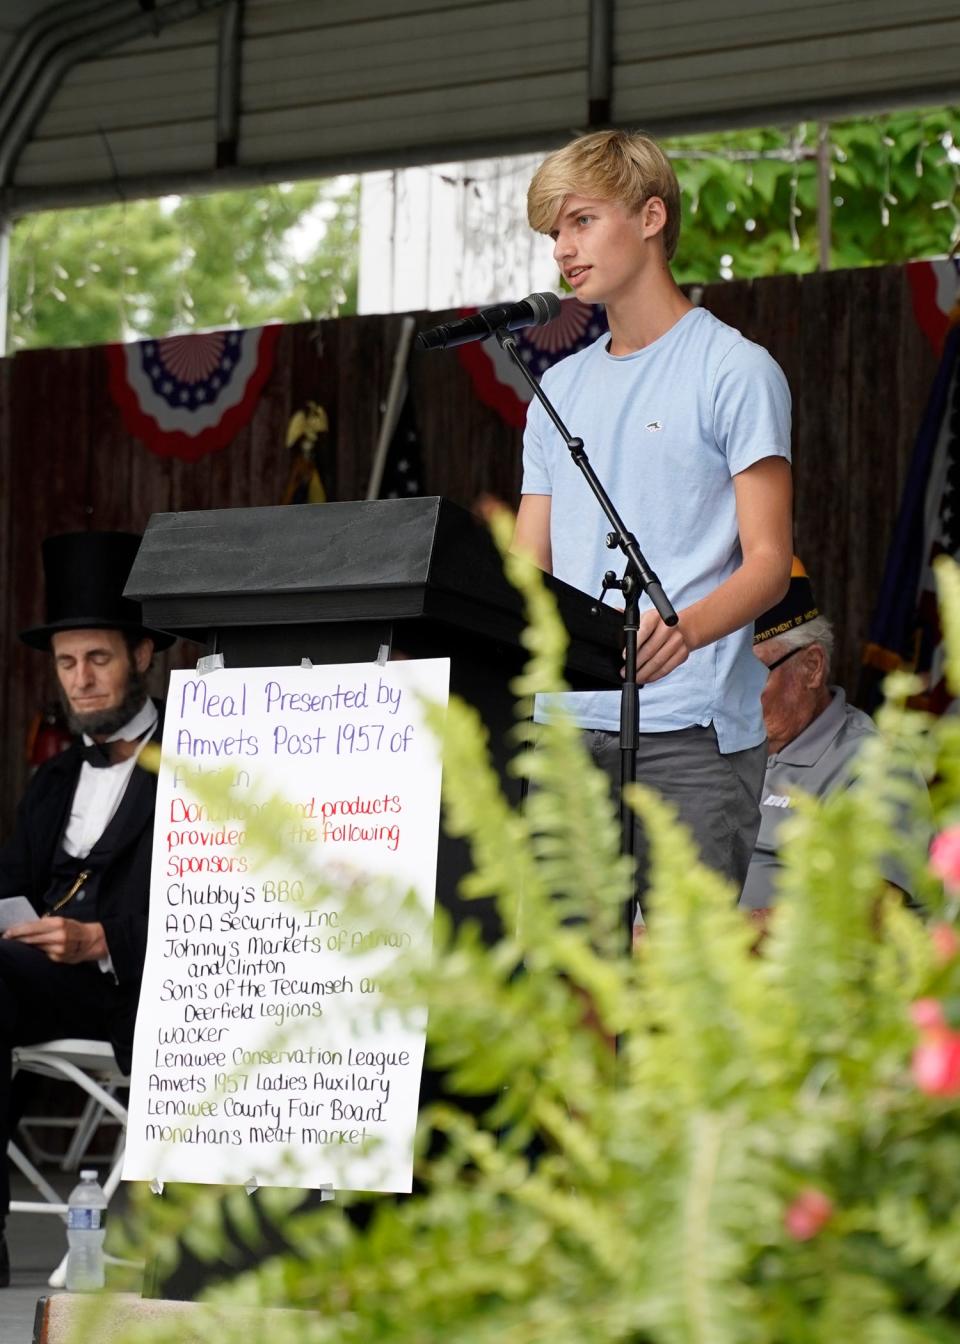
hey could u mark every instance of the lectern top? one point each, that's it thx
(300, 547)
(423, 560)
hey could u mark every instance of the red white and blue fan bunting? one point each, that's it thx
(495, 379)
(186, 396)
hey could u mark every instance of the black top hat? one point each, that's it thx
(85, 574)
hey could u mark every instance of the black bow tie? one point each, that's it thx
(97, 754)
(100, 754)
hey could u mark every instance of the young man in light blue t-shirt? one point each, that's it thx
(687, 424)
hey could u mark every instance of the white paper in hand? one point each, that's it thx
(15, 910)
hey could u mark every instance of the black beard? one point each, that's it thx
(103, 722)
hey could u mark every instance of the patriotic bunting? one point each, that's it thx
(186, 396)
(498, 383)
(935, 294)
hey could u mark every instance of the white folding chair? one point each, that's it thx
(80, 1128)
(92, 1066)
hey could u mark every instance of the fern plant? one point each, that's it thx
(758, 1160)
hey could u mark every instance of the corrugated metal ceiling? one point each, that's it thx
(104, 99)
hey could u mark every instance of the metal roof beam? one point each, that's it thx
(599, 62)
(24, 200)
(58, 49)
(228, 82)
(34, 47)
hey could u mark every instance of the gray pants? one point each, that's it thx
(716, 795)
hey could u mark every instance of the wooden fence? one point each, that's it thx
(858, 366)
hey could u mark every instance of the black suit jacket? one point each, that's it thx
(123, 893)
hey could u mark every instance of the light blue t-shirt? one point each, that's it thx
(666, 429)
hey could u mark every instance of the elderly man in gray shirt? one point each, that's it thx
(812, 733)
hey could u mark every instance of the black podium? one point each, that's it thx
(334, 583)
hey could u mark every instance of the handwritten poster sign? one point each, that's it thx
(265, 1049)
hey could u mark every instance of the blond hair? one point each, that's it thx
(621, 166)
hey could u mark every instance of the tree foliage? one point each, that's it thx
(152, 267)
(756, 1165)
(750, 197)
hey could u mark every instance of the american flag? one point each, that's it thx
(905, 631)
(403, 469)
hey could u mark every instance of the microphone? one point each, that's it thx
(532, 311)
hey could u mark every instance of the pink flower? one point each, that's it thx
(927, 1015)
(807, 1214)
(946, 943)
(936, 1063)
(945, 857)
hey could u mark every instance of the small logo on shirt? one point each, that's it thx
(653, 425)
(776, 800)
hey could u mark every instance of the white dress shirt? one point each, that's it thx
(98, 792)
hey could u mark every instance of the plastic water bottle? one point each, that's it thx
(86, 1227)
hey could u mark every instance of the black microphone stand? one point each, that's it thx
(637, 578)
